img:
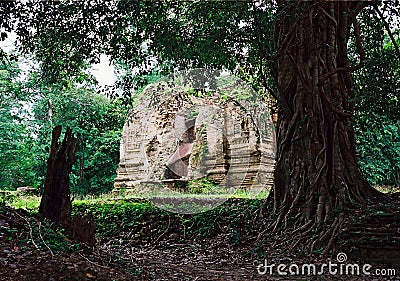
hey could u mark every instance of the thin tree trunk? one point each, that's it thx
(56, 203)
(317, 174)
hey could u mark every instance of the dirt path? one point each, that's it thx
(153, 253)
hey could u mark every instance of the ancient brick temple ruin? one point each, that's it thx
(175, 135)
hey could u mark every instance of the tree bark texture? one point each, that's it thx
(317, 173)
(56, 203)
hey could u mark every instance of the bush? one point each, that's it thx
(378, 147)
(202, 186)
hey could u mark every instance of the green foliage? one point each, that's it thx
(98, 148)
(179, 34)
(202, 186)
(16, 162)
(140, 216)
(47, 235)
(33, 234)
(97, 124)
(232, 213)
(377, 88)
(116, 216)
(31, 108)
(201, 148)
(378, 145)
(16, 200)
(95, 121)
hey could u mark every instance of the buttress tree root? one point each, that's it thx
(317, 177)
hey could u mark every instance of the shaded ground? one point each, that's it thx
(160, 246)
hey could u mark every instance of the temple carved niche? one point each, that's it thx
(175, 135)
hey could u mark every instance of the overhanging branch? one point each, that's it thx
(387, 27)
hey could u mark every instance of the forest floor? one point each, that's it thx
(136, 241)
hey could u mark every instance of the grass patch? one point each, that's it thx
(125, 211)
(387, 189)
(112, 217)
(18, 200)
(146, 222)
(31, 203)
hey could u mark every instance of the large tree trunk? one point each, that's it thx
(316, 170)
(56, 204)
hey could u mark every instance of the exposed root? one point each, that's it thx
(317, 179)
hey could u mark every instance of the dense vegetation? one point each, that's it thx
(328, 69)
(27, 100)
(31, 108)
(377, 122)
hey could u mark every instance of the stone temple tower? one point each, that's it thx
(175, 134)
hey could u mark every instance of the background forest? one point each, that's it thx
(61, 89)
(30, 107)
